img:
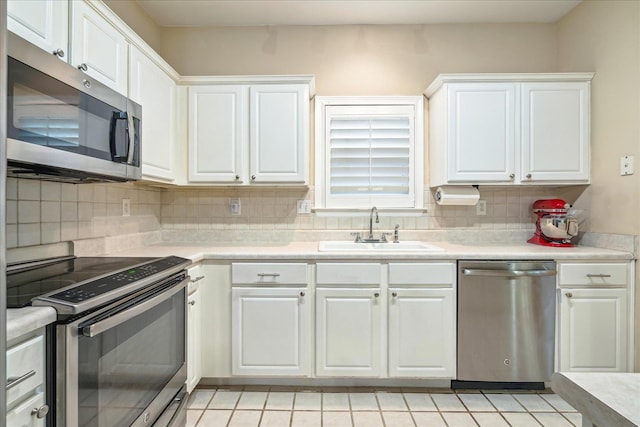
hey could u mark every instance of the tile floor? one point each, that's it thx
(282, 407)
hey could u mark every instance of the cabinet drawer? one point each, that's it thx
(23, 359)
(593, 274)
(348, 274)
(435, 273)
(269, 273)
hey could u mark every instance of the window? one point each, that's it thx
(369, 152)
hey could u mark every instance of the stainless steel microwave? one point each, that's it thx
(63, 125)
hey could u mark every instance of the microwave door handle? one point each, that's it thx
(115, 116)
(128, 314)
(131, 133)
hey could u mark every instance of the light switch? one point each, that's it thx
(626, 165)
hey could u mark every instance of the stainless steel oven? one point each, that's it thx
(63, 125)
(117, 353)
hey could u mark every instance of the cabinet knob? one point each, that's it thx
(59, 53)
(376, 295)
(302, 294)
(253, 177)
(40, 412)
(83, 67)
(528, 176)
(513, 175)
(569, 294)
(237, 177)
(394, 294)
(192, 302)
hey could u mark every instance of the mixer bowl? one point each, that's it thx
(558, 227)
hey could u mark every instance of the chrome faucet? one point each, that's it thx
(373, 210)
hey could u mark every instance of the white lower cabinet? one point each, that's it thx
(421, 333)
(348, 332)
(26, 379)
(593, 330)
(194, 329)
(270, 331)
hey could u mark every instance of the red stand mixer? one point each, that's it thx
(554, 226)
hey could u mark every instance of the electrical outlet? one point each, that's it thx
(304, 206)
(235, 206)
(481, 207)
(626, 165)
(126, 207)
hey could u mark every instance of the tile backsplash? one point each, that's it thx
(40, 212)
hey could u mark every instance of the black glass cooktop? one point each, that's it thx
(28, 282)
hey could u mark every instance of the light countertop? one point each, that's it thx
(605, 399)
(22, 321)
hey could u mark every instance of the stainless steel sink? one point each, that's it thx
(405, 246)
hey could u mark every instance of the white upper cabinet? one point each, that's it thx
(217, 116)
(509, 129)
(555, 131)
(42, 22)
(155, 90)
(249, 133)
(279, 132)
(99, 47)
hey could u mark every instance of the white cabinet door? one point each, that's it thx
(555, 132)
(348, 332)
(99, 46)
(481, 132)
(270, 332)
(44, 23)
(593, 330)
(152, 88)
(194, 329)
(23, 416)
(279, 133)
(217, 133)
(422, 333)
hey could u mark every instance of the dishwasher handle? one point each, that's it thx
(507, 273)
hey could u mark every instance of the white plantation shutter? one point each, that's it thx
(370, 156)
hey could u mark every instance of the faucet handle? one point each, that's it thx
(357, 235)
(383, 237)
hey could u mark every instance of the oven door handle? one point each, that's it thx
(128, 314)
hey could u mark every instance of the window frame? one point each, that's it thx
(322, 171)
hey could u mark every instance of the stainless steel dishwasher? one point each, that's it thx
(506, 321)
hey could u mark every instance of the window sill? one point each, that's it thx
(367, 212)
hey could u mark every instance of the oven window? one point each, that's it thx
(123, 369)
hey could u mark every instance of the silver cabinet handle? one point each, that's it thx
(513, 175)
(376, 295)
(40, 412)
(507, 273)
(590, 275)
(394, 294)
(528, 176)
(192, 302)
(569, 294)
(197, 279)
(59, 53)
(268, 274)
(302, 294)
(14, 381)
(83, 67)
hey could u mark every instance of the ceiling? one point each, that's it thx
(344, 12)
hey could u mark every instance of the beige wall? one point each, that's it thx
(605, 37)
(361, 60)
(135, 17)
